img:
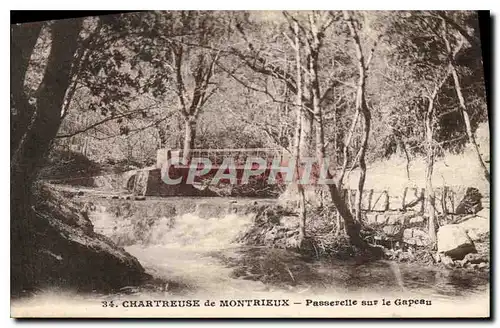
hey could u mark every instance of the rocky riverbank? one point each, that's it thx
(463, 240)
(58, 248)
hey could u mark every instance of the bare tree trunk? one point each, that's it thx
(429, 191)
(347, 142)
(189, 137)
(315, 93)
(337, 224)
(162, 135)
(352, 228)
(407, 157)
(296, 156)
(468, 128)
(458, 89)
(363, 107)
(429, 136)
(472, 138)
(306, 127)
(299, 143)
(179, 140)
(362, 166)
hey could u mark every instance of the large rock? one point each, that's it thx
(476, 227)
(60, 248)
(471, 203)
(475, 258)
(454, 242)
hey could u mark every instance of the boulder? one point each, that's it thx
(64, 250)
(447, 261)
(471, 203)
(482, 265)
(474, 258)
(454, 242)
(476, 227)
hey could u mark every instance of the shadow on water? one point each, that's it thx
(286, 269)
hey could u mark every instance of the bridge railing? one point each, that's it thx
(240, 156)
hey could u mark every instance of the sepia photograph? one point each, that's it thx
(250, 164)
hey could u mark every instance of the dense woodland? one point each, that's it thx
(350, 87)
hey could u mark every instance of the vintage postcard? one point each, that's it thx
(250, 164)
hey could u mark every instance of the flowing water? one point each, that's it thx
(197, 256)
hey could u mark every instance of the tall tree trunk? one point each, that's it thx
(299, 145)
(345, 150)
(402, 148)
(179, 139)
(306, 130)
(36, 138)
(362, 163)
(429, 138)
(23, 40)
(30, 152)
(363, 107)
(189, 138)
(162, 136)
(429, 191)
(352, 228)
(458, 89)
(468, 128)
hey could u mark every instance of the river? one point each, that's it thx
(195, 257)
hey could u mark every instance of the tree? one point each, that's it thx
(315, 32)
(192, 101)
(363, 64)
(298, 129)
(429, 135)
(30, 149)
(36, 123)
(452, 54)
(427, 57)
(189, 61)
(23, 40)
